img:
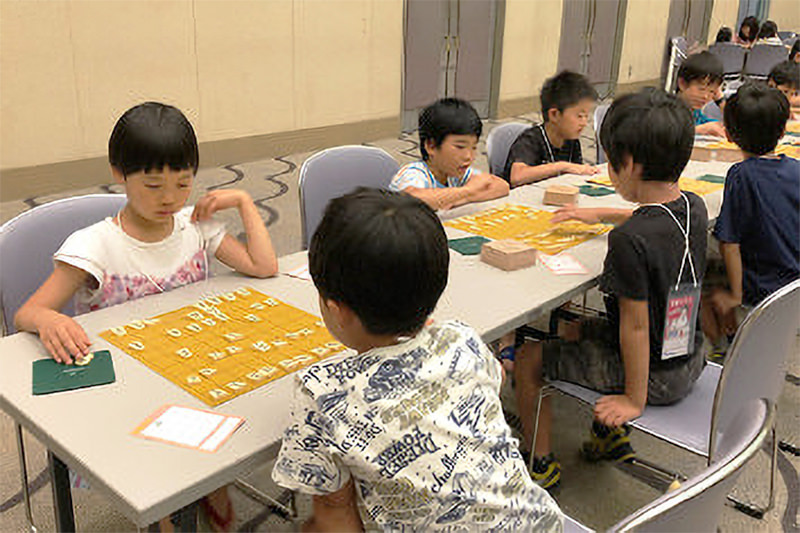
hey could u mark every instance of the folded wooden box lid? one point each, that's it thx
(508, 254)
(561, 195)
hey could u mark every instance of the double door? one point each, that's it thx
(448, 51)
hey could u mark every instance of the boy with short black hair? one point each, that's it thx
(646, 350)
(408, 433)
(699, 82)
(449, 130)
(785, 77)
(553, 147)
(759, 223)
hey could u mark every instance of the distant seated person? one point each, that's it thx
(785, 77)
(768, 34)
(724, 35)
(448, 138)
(406, 432)
(553, 148)
(748, 32)
(758, 227)
(794, 53)
(700, 82)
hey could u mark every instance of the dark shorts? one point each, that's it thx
(594, 362)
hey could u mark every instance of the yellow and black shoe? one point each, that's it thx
(546, 472)
(608, 444)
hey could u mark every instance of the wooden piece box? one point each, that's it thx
(508, 254)
(561, 195)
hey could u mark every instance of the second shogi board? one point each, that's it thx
(528, 225)
(699, 187)
(226, 345)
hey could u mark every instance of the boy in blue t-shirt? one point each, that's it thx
(699, 82)
(759, 224)
(449, 130)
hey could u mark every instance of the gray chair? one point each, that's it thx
(697, 505)
(762, 58)
(499, 142)
(335, 172)
(712, 111)
(754, 369)
(599, 114)
(573, 526)
(678, 50)
(786, 35)
(27, 245)
(732, 57)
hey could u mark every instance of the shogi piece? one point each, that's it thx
(561, 195)
(508, 255)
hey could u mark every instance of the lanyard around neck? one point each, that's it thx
(549, 146)
(685, 232)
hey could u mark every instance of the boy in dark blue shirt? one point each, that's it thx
(759, 224)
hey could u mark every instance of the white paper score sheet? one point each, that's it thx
(191, 428)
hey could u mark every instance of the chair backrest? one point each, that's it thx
(784, 35)
(712, 111)
(599, 114)
(335, 172)
(755, 366)
(762, 58)
(732, 57)
(28, 242)
(678, 50)
(697, 505)
(499, 142)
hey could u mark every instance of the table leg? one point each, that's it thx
(62, 495)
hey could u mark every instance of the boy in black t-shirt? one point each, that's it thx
(631, 354)
(554, 148)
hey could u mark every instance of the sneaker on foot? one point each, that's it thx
(546, 472)
(608, 444)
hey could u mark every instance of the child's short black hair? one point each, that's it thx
(786, 73)
(768, 29)
(564, 90)
(724, 35)
(701, 66)
(751, 23)
(652, 127)
(151, 136)
(756, 116)
(795, 50)
(382, 254)
(448, 116)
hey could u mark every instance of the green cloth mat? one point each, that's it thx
(49, 376)
(595, 190)
(711, 178)
(468, 245)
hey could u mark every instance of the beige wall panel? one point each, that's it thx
(127, 52)
(530, 46)
(245, 72)
(385, 88)
(337, 56)
(644, 40)
(724, 13)
(38, 104)
(785, 13)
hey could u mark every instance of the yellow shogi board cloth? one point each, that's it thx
(793, 126)
(788, 149)
(528, 225)
(226, 345)
(698, 187)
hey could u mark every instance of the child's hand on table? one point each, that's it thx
(615, 410)
(218, 200)
(583, 170)
(711, 128)
(64, 338)
(584, 214)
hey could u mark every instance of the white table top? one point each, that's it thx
(90, 429)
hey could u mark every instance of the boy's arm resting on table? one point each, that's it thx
(634, 339)
(63, 338)
(337, 511)
(592, 215)
(710, 128)
(479, 188)
(522, 173)
(254, 258)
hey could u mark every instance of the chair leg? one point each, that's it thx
(751, 509)
(544, 391)
(288, 512)
(789, 447)
(23, 471)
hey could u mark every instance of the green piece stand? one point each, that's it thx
(468, 245)
(595, 190)
(50, 376)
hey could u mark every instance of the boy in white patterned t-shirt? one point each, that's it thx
(449, 131)
(406, 434)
